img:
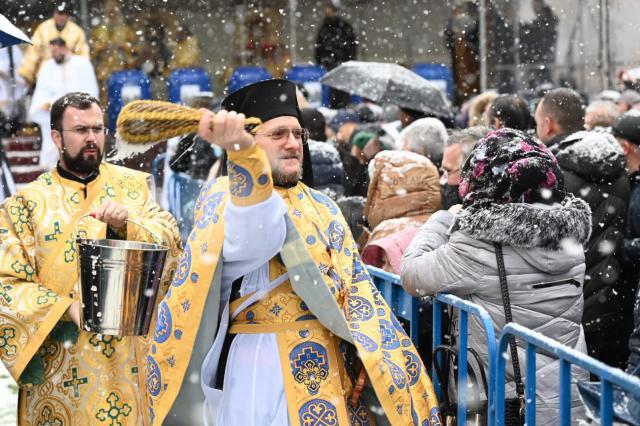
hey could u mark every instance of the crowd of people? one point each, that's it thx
(592, 144)
(552, 181)
(527, 204)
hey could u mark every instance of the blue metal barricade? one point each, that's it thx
(309, 76)
(465, 308)
(123, 87)
(609, 376)
(438, 74)
(402, 304)
(244, 76)
(185, 83)
(182, 192)
(156, 165)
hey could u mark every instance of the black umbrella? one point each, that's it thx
(388, 83)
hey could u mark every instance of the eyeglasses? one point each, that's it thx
(282, 133)
(84, 130)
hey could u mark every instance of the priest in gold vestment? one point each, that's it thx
(68, 376)
(59, 26)
(272, 318)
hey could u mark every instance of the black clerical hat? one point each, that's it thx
(266, 100)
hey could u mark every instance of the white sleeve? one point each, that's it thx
(89, 81)
(41, 94)
(252, 236)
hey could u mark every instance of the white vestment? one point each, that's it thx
(253, 392)
(11, 90)
(75, 74)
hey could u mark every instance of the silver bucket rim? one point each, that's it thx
(80, 240)
(122, 244)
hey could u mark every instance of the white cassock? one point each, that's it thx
(10, 93)
(254, 392)
(75, 74)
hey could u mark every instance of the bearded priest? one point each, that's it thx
(272, 318)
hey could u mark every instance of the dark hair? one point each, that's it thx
(448, 121)
(565, 107)
(58, 41)
(313, 120)
(77, 100)
(415, 114)
(512, 111)
(366, 114)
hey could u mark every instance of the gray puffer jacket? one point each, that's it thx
(544, 261)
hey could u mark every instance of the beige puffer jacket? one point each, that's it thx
(404, 185)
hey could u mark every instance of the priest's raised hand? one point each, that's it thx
(225, 129)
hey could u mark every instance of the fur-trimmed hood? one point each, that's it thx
(527, 225)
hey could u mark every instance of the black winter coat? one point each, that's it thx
(336, 42)
(632, 233)
(327, 167)
(593, 167)
(632, 265)
(195, 163)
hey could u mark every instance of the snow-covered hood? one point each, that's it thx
(323, 152)
(593, 155)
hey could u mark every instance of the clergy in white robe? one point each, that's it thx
(64, 72)
(12, 87)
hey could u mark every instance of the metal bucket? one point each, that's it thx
(119, 283)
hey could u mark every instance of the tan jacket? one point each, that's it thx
(404, 184)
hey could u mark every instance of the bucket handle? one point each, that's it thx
(128, 220)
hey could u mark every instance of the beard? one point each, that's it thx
(80, 164)
(286, 180)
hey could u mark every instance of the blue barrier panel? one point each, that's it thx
(182, 193)
(305, 73)
(244, 76)
(186, 82)
(155, 168)
(609, 376)
(440, 75)
(309, 76)
(465, 308)
(403, 305)
(122, 87)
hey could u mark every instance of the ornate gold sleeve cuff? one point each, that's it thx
(249, 176)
